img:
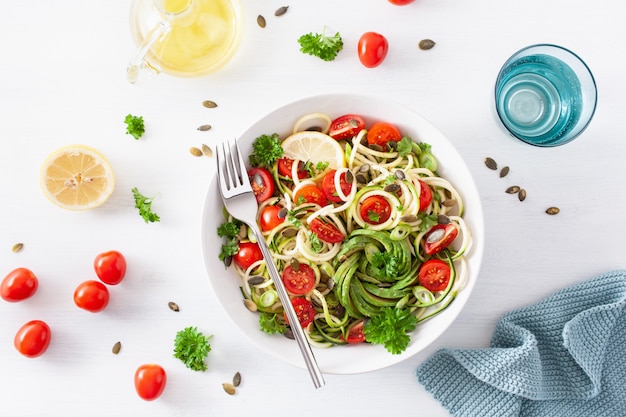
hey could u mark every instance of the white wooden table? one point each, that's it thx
(62, 81)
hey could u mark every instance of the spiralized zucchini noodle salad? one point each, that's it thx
(368, 238)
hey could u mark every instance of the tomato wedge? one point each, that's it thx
(299, 281)
(329, 189)
(426, 196)
(346, 126)
(310, 193)
(382, 133)
(434, 275)
(304, 310)
(262, 183)
(355, 333)
(439, 237)
(375, 209)
(286, 164)
(327, 232)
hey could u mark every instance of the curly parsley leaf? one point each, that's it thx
(192, 348)
(229, 231)
(134, 126)
(266, 150)
(387, 263)
(144, 204)
(404, 146)
(320, 45)
(390, 328)
(427, 221)
(270, 323)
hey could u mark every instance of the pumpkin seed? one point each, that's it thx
(195, 151)
(491, 164)
(392, 188)
(449, 202)
(256, 280)
(521, 195)
(512, 189)
(553, 210)
(229, 388)
(204, 128)
(376, 147)
(349, 177)
(443, 219)
(243, 231)
(426, 44)
(361, 179)
(400, 174)
(173, 306)
(206, 150)
(227, 261)
(295, 264)
(260, 20)
(364, 168)
(17, 247)
(209, 104)
(409, 218)
(289, 334)
(281, 11)
(289, 232)
(237, 379)
(250, 305)
(116, 348)
(282, 213)
(504, 172)
(330, 284)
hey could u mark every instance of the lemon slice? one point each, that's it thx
(77, 177)
(314, 147)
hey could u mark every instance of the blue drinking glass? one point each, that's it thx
(545, 95)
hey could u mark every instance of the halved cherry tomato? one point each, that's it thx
(439, 237)
(401, 2)
(33, 338)
(310, 193)
(18, 285)
(355, 333)
(382, 133)
(150, 380)
(92, 296)
(285, 165)
(262, 183)
(248, 253)
(329, 189)
(269, 218)
(434, 275)
(375, 209)
(327, 232)
(299, 282)
(110, 267)
(372, 49)
(304, 310)
(346, 126)
(426, 196)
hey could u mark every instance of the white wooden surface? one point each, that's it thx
(62, 81)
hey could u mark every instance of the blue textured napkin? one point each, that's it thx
(564, 356)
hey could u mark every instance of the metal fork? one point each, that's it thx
(241, 203)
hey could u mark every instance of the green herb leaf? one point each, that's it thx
(271, 323)
(192, 348)
(320, 45)
(229, 231)
(144, 204)
(316, 243)
(266, 150)
(428, 221)
(134, 126)
(404, 146)
(390, 328)
(387, 263)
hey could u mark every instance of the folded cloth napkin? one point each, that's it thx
(564, 356)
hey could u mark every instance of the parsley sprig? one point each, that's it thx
(134, 126)
(229, 231)
(320, 45)
(271, 324)
(192, 348)
(144, 204)
(266, 150)
(390, 328)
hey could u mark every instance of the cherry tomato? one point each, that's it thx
(249, 253)
(426, 196)
(401, 2)
(150, 381)
(299, 282)
(329, 189)
(269, 218)
(262, 183)
(327, 232)
(382, 133)
(310, 194)
(285, 165)
(355, 333)
(33, 338)
(18, 285)
(375, 209)
(434, 275)
(110, 267)
(372, 49)
(304, 310)
(439, 237)
(346, 126)
(92, 296)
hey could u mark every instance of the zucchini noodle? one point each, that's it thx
(397, 210)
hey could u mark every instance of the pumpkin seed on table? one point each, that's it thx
(281, 11)
(173, 306)
(491, 163)
(512, 189)
(260, 20)
(116, 348)
(426, 44)
(209, 104)
(204, 128)
(504, 172)
(206, 150)
(195, 151)
(237, 379)
(521, 195)
(553, 210)
(229, 388)
(17, 247)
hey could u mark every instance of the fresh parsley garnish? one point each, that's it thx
(271, 324)
(134, 126)
(266, 150)
(316, 243)
(373, 216)
(426, 158)
(192, 348)
(320, 45)
(229, 231)
(386, 263)
(313, 170)
(144, 204)
(428, 221)
(404, 146)
(390, 328)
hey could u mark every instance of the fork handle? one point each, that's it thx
(298, 332)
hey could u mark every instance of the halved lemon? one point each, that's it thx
(77, 177)
(314, 147)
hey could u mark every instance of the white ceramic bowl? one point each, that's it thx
(348, 359)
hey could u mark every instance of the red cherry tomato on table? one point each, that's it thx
(372, 49)
(304, 310)
(18, 285)
(110, 267)
(355, 333)
(329, 189)
(327, 232)
(426, 196)
(33, 338)
(375, 210)
(439, 237)
(310, 194)
(346, 126)
(434, 275)
(285, 166)
(92, 296)
(269, 218)
(401, 2)
(299, 282)
(150, 380)
(249, 253)
(382, 133)
(262, 183)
